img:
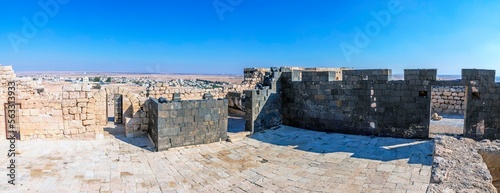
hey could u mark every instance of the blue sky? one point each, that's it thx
(180, 36)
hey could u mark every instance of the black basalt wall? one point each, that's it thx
(190, 122)
(365, 102)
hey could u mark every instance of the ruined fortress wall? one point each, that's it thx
(482, 119)
(135, 114)
(190, 122)
(6, 75)
(234, 93)
(253, 76)
(448, 100)
(186, 93)
(236, 100)
(365, 102)
(73, 113)
(163, 90)
(263, 106)
(263, 110)
(77, 111)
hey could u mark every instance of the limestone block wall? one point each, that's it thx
(6, 74)
(41, 118)
(188, 122)
(135, 114)
(77, 111)
(253, 76)
(448, 100)
(162, 90)
(73, 113)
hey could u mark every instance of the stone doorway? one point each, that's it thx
(114, 108)
(449, 104)
(114, 114)
(118, 109)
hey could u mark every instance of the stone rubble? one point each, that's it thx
(458, 166)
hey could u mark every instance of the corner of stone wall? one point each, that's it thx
(263, 106)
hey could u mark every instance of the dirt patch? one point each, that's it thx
(36, 173)
(123, 174)
(492, 160)
(448, 126)
(236, 164)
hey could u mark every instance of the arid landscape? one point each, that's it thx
(391, 96)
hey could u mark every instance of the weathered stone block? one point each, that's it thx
(88, 122)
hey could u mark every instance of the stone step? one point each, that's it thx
(232, 137)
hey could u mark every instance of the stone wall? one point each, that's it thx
(73, 113)
(236, 100)
(263, 106)
(6, 75)
(364, 102)
(263, 110)
(367, 102)
(76, 111)
(448, 100)
(134, 112)
(163, 90)
(482, 119)
(253, 76)
(189, 122)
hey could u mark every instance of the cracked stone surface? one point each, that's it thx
(283, 160)
(459, 165)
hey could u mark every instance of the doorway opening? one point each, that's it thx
(114, 113)
(448, 109)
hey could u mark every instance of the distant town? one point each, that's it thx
(142, 80)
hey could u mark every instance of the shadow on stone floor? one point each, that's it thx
(364, 147)
(118, 131)
(235, 124)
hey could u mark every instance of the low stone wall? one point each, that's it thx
(74, 113)
(458, 166)
(163, 90)
(263, 110)
(448, 100)
(183, 123)
(264, 106)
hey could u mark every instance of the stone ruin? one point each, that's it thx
(365, 102)
(342, 100)
(187, 122)
(448, 100)
(368, 102)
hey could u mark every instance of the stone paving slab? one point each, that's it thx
(282, 160)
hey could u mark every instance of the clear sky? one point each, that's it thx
(224, 36)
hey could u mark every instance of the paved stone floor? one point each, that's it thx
(449, 125)
(282, 160)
